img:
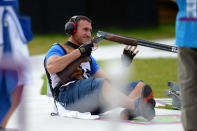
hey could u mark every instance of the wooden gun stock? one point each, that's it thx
(73, 68)
(121, 39)
(118, 38)
(65, 74)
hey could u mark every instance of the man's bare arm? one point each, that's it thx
(101, 74)
(57, 63)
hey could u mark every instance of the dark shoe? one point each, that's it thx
(147, 93)
(144, 106)
(145, 110)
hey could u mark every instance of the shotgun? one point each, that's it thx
(64, 74)
(134, 42)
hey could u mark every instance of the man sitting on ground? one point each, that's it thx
(88, 88)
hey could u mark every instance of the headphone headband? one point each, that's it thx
(74, 17)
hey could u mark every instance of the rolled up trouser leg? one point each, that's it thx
(84, 96)
(187, 63)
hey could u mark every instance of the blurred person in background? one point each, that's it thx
(186, 40)
(89, 89)
(15, 66)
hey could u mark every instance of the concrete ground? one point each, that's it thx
(33, 114)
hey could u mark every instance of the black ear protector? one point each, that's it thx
(71, 27)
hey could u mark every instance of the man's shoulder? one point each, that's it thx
(55, 49)
(56, 46)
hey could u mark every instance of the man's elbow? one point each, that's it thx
(51, 69)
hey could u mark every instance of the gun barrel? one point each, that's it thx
(155, 45)
(134, 42)
(121, 39)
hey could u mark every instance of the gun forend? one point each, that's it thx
(117, 38)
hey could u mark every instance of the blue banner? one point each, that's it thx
(8, 2)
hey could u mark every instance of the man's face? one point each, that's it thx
(83, 33)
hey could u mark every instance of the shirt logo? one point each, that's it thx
(191, 11)
(192, 8)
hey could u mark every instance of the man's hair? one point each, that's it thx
(78, 18)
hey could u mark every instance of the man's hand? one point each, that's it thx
(86, 49)
(128, 55)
